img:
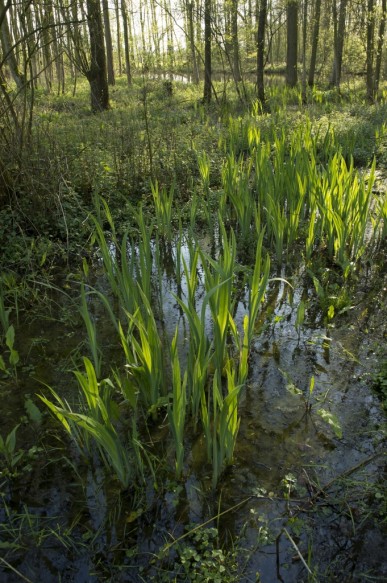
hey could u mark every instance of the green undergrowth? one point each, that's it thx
(168, 224)
(147, 136)
(380, 384)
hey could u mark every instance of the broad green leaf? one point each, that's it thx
(311, 385)
(10, 442)
(300, 314)
(2, 364)
(14, 357)
(32, 411)
(332, 420)
(10, 337)
(290, 386)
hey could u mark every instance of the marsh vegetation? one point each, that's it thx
(192, 296)
(184, 355)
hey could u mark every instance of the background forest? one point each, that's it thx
(193, 319)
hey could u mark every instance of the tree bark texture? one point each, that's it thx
(315, 37)
(292, 43)
(207, 53)
(8, 48)
(379, 49)
(96, 74)
(339, 33)
(109, 44)
(125, 26)
(191, 37)
(262, 16)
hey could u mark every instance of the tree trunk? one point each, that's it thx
(262, 15)
(170, 43)
(292, 43)
(339, 30)
(379, 49)
(191, 38)
(126, 42)
(143, 42)
(155, 38)
(235, 41)
(96, 74)
(370, 50)
(8, 48)
(118, 29)
(207, 53)
(43, 20)
(32, 41)
(109, 44)
(315, 37)
(304, 39)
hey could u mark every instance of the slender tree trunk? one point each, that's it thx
(8, 48)
(143, 42)
(235, 41)
(191, 37)
(97, 74)
(315, 37)
(154, 37)
(304, 38)
(379, 50)
(250, 36)
(108, 42)
(292, 42)
(339, 32)
(133, 47)
(207, 53)
(118, 31)
(370, 50)
(262, 16)
(57, 52)
(170, 43)
(126, 42)
(4, 7)
(32, 40)
(43, 23)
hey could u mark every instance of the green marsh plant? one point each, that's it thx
(127, 264)
(91, 333)
(221, 421)
(177, 410)
(119, 273)
(328, 417)
(200, 349)
(8, 450)
(236, 176)
(257, 284)
(7, 337)
(13, 355)
(94, 424)
(144, 357)
(163, 202)
(219, 276)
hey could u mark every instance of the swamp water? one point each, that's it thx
(299, 502)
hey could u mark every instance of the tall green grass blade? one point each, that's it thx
(177, 411)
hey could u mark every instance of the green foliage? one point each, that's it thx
(13, 355)
(380, 384)
(200, 559)
(330, 418)
(91, 333)
(8, 449)
(163, 202)
(177, 411)
(95, 422)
